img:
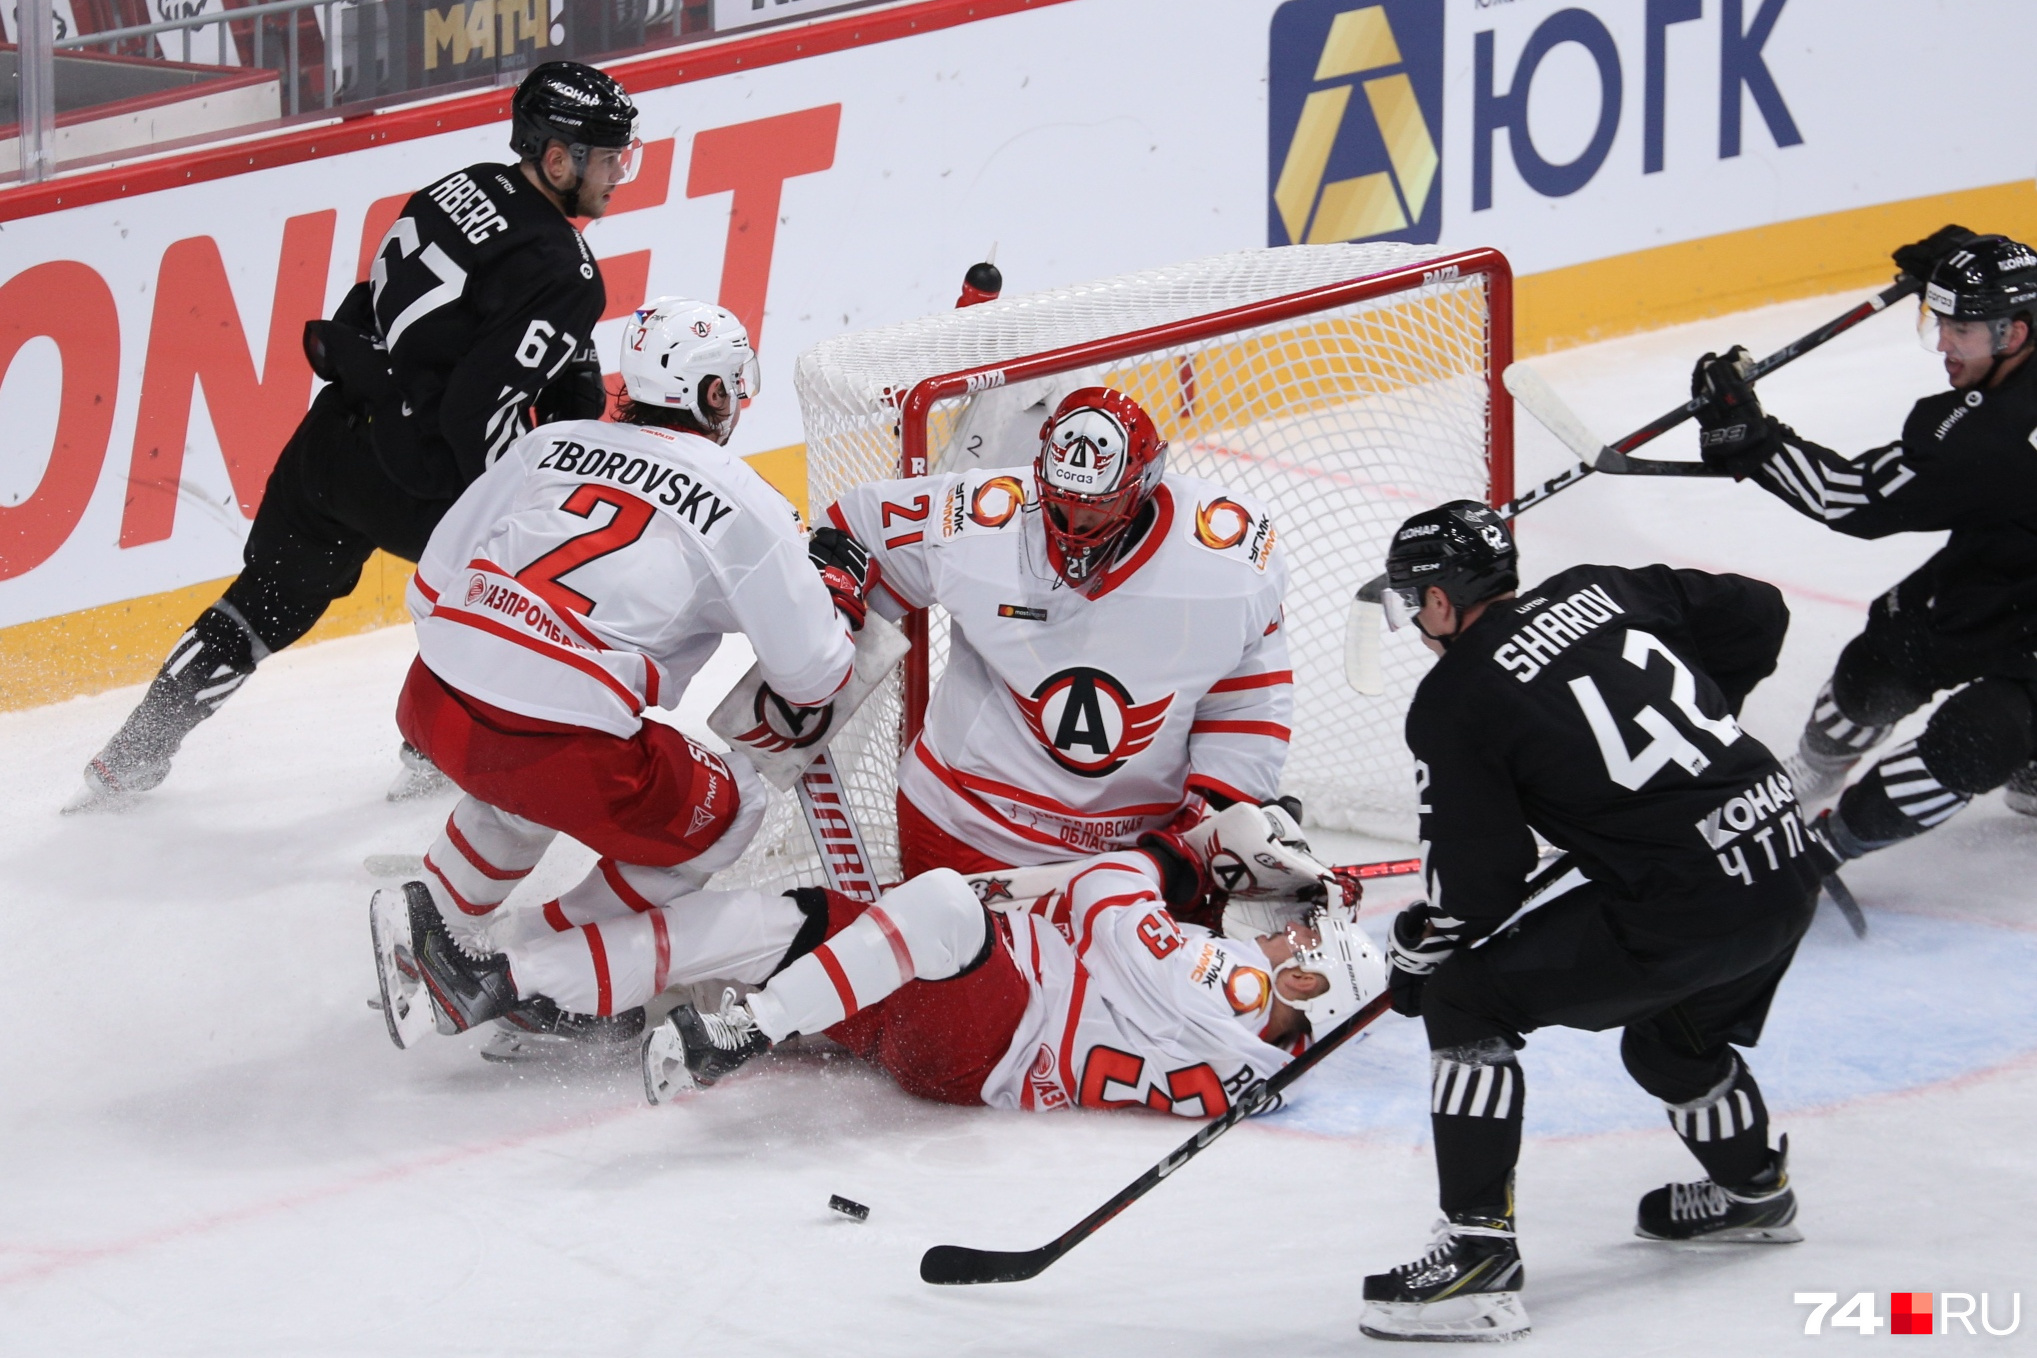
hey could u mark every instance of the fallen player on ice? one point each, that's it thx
(1092, 994)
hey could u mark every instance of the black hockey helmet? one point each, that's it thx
(1989, 278)
(567, 102)
(1463, 548)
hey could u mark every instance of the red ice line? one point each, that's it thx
(61, 1257)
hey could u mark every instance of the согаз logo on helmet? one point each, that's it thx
(1088, 721)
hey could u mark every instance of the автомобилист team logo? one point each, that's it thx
(1088, 721)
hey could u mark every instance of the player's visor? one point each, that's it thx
(1968, 340)
(613, 164)
(749, 379)
(1401, 603)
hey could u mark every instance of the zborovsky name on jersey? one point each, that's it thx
(1549, 633)
(683, 494)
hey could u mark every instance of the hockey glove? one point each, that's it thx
(1184, 882)
(352, 359)
(1416, 945)
(1919, 258)
(1734, 434)
(846, 569)
(576, 393)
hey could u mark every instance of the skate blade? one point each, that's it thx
(515, 1047)
(664, 1062)
(1482, 1318)
(399, 865)
(1785, 1234)
(412, 785)
(400, 989)
(92, 797)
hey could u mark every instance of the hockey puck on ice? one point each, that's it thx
(855, 1211)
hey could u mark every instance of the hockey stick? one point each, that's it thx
(958, 1264)
(1549, 409)
(1361, 627)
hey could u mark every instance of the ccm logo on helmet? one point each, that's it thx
(1088, 721)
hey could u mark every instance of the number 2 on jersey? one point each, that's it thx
(632, 516)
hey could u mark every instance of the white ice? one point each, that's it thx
(208, 1146)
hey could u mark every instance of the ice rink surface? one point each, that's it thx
(208, 1146)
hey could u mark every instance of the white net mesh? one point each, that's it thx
(1345, 420)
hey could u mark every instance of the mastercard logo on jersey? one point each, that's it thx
(783, 726)
(1088, 721)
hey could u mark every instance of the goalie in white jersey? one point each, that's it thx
(1115, 650)
(583, 578)
(1092, 995)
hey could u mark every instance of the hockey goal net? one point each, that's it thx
(1347, 386)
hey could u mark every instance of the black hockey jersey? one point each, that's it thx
(1967, 461)
(483, 294)
(1598, 711)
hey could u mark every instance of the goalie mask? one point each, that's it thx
(1099, 462)
(1346, 957)
(671, 347)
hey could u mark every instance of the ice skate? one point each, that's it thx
(538, 1030)
(418, 777)
(465, 990)
(693, 1050)
(403, 1001)
(111, 782)
(1816, 776)
(1466, 1289)
(1762, 1213)
(2019, 794)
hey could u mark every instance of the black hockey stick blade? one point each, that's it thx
(1842, 896)
(958, 1265)
(952, 1265)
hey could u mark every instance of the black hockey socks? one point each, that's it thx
(1475, 1102)
(1900, 797)
(1726, 1128)
(212, 659)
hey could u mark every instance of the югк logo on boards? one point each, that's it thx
(1355, 122)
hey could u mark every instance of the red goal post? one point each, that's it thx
(1347, 386)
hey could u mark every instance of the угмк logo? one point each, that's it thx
(1355, 122)
(1088, 722)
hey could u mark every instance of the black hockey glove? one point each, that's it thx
(1415, 948)
(1919, 258)
(353, 360)
(575, 394)
(1733, 433)
(846, 569)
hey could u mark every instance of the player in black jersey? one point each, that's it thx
(1598, 712)
(1967, 618)
(480, 306)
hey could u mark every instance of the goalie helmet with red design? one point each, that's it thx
(1100, 460)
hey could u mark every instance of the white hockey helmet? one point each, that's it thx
(671, 346)
(1347, 958)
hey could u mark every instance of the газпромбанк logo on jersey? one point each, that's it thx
(1355, 122)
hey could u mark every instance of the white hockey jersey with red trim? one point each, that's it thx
(594, 568)
(1129, 1007)
(1067, 724)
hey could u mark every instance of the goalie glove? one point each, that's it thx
(1258, 862)
(846, 569)
(1420, 941)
